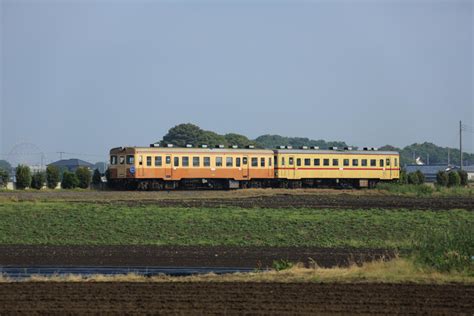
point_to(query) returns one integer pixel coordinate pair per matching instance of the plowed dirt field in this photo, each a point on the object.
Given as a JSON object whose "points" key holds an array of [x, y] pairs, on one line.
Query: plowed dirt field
{"points": [[278, 198], [221, 256], [235, 298]]}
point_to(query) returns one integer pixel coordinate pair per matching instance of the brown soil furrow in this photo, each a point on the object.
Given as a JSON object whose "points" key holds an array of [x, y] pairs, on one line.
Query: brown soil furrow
{"points": [[235, 298], [182, 256]]}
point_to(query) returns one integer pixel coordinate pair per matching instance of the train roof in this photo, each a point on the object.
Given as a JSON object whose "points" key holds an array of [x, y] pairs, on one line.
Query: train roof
{"points": [[324, 151], [192, 149]]}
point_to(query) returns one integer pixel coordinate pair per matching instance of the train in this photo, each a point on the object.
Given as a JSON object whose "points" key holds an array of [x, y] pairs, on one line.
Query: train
{"points": [[167, 167]]}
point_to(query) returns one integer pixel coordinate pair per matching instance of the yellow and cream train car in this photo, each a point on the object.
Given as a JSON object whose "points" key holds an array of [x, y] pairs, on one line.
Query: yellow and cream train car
{"points": [[355, 168], [155, 168]]}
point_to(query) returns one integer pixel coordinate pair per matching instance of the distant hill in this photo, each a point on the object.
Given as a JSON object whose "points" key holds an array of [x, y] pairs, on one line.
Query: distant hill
{"points": [[183, 134]]}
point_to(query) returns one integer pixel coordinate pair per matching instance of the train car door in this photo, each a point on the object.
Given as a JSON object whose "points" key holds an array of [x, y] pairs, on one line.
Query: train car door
{"points": [[168, 168], [245, 167], [141, 171], [292, 165]]}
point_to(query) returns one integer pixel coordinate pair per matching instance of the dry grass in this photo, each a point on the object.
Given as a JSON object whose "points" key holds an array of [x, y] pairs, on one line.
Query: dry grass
{"points": [[395, 271]]}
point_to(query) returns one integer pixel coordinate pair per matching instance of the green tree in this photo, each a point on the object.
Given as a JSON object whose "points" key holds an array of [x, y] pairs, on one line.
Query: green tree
{"points": [[37, 180], [4, 176], [463, 177], [23, 176], [96, 177], [413, 178], [183, 134], [454, 179], [52, 176], [421, 177], [69, 180], [403, 179], [84, 176], [442, 178], [5, 165], [239, 140]]}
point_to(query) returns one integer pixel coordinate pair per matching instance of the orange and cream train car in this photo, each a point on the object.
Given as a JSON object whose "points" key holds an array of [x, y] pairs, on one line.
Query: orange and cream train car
{"points": [[155, 168]]}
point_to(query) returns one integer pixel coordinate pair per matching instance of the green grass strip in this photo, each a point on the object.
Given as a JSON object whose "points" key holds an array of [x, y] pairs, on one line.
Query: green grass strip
{"points": [[114, 224]]}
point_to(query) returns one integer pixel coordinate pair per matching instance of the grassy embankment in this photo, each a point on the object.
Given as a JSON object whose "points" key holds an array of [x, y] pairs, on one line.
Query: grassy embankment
{"points": [[394, 271], [61, 223], [425, 190]]}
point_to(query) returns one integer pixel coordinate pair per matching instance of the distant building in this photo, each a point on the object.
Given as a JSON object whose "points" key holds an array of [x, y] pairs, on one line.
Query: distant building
{"points": [[71, 164], [430, 171]]}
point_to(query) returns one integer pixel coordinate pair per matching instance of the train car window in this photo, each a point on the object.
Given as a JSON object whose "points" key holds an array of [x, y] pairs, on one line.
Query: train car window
{"points": [[282, 161], [316, 161], [262, 162], [388, 162], [290, 161], [381, 162], [396, 162], [346, 162], [158, 161], [140, 160], [185, 161], [298, 162], [355, 162], [176, 161], [130, 159], [237, 162], [113, 160], [254, 162], [168, 160], [148, 161], [207, 161], [244, 160], [275, 160], [307, 162], [121, 160], [196, 162], [364, 162], [218, 161], [326, 162], [269, 162], [229, 162], [373, 162], [335, 162]]}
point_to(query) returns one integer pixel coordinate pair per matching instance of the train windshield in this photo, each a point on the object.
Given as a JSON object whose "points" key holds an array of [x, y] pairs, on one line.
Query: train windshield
{"points": [[130, 159]]}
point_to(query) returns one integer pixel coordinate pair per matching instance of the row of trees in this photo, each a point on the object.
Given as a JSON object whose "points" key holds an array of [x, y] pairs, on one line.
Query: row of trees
{"points": [[81, 178], [451, 178]]}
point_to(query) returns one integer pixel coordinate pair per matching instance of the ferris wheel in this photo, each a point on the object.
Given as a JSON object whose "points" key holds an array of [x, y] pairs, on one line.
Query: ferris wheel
{"points": [[26, 154]]}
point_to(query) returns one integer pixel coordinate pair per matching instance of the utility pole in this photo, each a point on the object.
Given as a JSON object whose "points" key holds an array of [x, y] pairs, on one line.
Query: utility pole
{"points": [[460, 144], [448, 156], [61, 154]]}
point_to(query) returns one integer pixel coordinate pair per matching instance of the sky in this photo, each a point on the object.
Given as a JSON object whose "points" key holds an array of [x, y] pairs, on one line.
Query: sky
{"points": [[85, 76]]}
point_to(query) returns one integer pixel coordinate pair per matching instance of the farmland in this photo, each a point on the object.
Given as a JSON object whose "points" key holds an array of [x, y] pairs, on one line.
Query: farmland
{"points": [[60, 223], [250, 228]]}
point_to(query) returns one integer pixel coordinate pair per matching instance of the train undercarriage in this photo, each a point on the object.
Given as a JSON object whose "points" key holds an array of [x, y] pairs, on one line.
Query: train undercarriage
{"points": [[229, 184]]}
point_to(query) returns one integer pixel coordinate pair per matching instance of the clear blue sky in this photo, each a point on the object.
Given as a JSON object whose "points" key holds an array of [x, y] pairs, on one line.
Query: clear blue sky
{"points": [[84, 76]]}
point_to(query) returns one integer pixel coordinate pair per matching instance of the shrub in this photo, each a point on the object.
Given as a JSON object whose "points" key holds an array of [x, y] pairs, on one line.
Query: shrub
{"points": [[37, 180], [96, 177], [52, 177], [463, 177], [70, 180], [84, 176], [23, 176], [413, 178], [282, 264], [442, 178], [446, 249], [421, 177], [453, 179], [403, 177], [3, 177]]}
